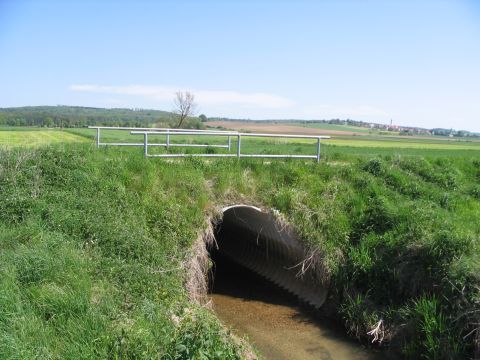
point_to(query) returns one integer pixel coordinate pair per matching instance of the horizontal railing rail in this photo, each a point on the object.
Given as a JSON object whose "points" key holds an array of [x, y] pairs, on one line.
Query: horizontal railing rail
{"points": [[238, 135], [168, 132]]}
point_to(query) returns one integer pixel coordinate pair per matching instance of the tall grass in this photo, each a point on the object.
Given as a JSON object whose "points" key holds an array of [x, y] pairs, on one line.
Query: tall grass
{"points": [[91, 261], [93, 245]]}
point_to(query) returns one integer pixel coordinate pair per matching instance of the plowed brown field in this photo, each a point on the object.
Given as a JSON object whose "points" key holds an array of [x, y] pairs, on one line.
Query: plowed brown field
{"points": [[276, 128]]}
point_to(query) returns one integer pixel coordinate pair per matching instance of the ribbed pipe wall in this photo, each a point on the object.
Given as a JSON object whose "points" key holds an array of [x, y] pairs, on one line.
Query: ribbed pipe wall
{"points": [[254, 240]]}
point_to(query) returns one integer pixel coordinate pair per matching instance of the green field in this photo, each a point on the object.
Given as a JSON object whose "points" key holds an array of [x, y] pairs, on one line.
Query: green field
{"points": [[365, 145], [29, 137], [370, 141], [405, 143]]}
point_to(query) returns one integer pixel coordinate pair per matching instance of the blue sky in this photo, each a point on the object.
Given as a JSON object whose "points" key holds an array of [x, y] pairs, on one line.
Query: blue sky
{"points": [[416, 62]]}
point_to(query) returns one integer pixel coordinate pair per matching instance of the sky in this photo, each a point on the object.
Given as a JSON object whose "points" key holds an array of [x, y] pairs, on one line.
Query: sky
{"points": [[411, 62]]}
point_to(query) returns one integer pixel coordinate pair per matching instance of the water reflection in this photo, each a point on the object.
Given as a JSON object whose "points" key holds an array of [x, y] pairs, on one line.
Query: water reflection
{"points": [[275, 321]]}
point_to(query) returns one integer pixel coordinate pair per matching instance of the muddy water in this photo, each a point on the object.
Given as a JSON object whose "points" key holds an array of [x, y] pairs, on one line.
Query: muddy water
{"points": [[275, 322]]}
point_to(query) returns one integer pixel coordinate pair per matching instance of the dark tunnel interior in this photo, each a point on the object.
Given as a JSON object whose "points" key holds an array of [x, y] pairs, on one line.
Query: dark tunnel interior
{"points": [[254, 257]]}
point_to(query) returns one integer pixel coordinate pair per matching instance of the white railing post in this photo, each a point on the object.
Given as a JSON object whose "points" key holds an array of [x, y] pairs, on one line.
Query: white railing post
{"points": [[229, 143], [98, 138], [318, 150], [145, 144], [239, 144], [168, 139]]}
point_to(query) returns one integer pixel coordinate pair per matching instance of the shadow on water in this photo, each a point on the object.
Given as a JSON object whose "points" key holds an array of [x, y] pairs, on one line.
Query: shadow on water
{"points": [[275, 321]]}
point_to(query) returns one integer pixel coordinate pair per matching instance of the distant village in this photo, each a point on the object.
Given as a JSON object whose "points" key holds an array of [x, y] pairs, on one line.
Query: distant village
{"points": [[402, 130], [411, 130]]}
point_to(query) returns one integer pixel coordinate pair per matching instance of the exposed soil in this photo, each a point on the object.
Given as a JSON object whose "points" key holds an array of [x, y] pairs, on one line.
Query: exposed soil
{"points": [[277, 128]]}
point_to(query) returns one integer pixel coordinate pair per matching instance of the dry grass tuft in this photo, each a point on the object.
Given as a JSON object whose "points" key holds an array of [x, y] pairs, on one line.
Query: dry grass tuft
{"points": [[198, 261]]}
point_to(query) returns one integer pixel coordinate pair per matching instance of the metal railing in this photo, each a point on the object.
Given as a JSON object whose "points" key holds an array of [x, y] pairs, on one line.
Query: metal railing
{"points": [[168, 132], [239, 137]]}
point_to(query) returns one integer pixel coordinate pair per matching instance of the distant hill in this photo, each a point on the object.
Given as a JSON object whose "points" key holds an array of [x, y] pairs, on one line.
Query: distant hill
{"points": [[77, 116]]}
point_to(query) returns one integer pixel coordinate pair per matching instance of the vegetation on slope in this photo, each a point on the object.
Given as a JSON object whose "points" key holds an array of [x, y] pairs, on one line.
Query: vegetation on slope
{"points": [[398, 239], [92, 251], [93, 246]]}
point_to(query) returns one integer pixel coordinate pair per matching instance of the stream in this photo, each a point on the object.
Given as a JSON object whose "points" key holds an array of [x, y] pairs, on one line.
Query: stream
{"points": [[275, 322]]}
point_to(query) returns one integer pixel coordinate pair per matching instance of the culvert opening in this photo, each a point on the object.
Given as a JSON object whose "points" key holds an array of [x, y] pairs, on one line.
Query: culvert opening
{"points": [[253, 245], [255, 288]]}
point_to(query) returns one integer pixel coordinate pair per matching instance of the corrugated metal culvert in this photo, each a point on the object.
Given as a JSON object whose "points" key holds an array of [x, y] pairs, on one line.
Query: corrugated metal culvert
{"points": [[255, 240]]}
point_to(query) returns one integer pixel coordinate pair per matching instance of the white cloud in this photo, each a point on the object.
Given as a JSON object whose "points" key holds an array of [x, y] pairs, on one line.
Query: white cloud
{"points": [[203, 97]]}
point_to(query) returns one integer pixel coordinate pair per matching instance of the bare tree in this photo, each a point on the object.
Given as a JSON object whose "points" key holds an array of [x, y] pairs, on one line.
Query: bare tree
{"points": [[184, 106]]}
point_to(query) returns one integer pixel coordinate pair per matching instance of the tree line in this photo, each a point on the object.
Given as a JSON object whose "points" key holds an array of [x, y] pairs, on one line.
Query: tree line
{"points": [[78, 116]]}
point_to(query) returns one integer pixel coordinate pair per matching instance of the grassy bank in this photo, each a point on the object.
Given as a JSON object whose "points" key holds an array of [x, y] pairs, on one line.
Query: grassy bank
{"points": [[93, 249], [94, 245]]}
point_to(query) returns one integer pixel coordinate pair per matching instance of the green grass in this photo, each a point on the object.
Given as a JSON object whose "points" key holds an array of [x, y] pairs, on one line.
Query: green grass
{"points": [[370, 141], [400, 143], [24, 137], [92, 258], [338, 144], [21, 128], [354, 145], [112, 136], [93, 246]]}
